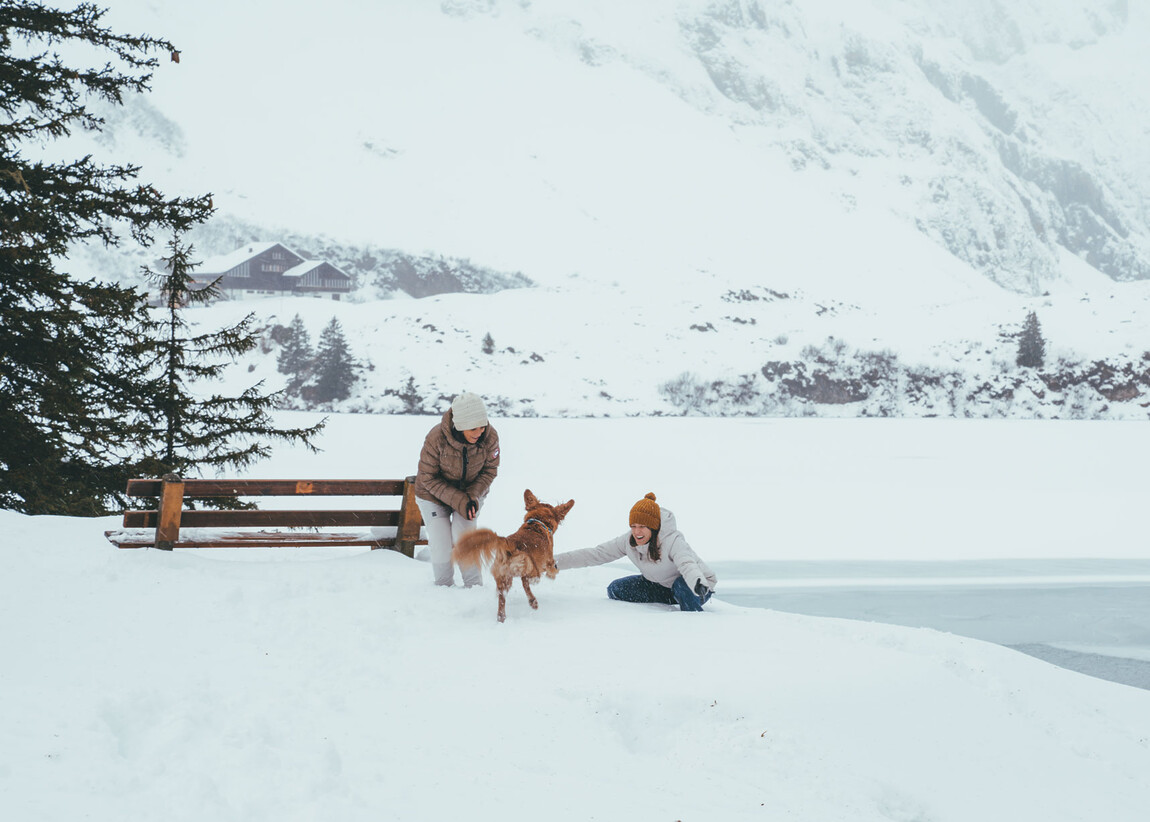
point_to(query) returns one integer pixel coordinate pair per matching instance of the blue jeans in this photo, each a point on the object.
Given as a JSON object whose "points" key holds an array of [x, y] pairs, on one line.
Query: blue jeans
{"points": [[640, 589]]}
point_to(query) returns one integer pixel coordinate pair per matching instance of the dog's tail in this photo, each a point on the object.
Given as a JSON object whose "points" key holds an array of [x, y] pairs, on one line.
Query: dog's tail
{"points": [[477, 547]]}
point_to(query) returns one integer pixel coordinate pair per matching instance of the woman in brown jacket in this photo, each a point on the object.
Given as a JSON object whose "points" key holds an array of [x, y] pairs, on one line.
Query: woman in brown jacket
{"points": [[457, 465]]}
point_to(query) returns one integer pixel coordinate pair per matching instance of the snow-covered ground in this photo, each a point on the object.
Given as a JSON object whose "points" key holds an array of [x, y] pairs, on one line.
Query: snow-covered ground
{"points": [[343, 685]]}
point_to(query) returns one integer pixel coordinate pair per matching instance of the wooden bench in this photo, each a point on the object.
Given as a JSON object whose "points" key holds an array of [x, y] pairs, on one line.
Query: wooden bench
{"points": [[173, 526]]}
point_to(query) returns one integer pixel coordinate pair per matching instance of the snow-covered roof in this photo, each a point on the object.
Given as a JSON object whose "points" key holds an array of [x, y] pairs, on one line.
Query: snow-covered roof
{"points": [[308, 266], [303, 268], [226, 262]]}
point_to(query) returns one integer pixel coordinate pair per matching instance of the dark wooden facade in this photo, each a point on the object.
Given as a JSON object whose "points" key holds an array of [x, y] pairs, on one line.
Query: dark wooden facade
{"points": [[272, 269], [318, 277]]}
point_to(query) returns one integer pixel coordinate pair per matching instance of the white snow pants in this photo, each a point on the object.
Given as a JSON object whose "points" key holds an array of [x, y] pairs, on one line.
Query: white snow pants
{"points": [[444, 526]]}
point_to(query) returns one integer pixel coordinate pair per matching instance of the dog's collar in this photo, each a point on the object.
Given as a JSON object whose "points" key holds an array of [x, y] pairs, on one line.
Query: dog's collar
{"points": [[540, 522]]}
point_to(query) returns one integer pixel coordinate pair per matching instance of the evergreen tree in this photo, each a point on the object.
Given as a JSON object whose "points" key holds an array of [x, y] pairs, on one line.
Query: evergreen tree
{"points": [[489, 344], [193, 432], [70, 353], [334, 366], [412, 399], [296, 356], [1031, 346]]}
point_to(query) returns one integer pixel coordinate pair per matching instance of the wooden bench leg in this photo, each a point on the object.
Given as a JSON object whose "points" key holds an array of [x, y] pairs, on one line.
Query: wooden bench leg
{"points": [[410, 520], [171, 505]]}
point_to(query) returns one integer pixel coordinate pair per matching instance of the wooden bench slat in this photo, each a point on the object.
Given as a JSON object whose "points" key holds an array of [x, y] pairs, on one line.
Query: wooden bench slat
{"points": [[258, 539], [267, 517], [272, 488]]}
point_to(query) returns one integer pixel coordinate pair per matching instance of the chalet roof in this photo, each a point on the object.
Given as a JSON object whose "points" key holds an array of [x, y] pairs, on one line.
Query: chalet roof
{"points": [[226, 262], [311, 265], [303, 268]]}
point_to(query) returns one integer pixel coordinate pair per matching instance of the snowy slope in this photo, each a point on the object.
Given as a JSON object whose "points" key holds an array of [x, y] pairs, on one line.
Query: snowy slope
{"points": [[591, 349], [344, 685], [559, 136]]}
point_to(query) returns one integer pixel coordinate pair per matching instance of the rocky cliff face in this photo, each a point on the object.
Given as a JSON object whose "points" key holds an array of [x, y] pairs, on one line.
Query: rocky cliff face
{"points": [[955, 116]]}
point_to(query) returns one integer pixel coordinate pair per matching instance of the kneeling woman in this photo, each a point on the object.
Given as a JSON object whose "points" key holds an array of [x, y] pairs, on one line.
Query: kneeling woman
{"points": [[670, 571]]}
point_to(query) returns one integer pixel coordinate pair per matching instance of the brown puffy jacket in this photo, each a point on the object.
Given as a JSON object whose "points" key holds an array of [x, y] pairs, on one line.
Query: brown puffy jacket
{"points": [[452, 471]]}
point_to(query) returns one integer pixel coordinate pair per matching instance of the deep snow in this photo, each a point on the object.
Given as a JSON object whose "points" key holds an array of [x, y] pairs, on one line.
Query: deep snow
{"points": [[343, 685]]}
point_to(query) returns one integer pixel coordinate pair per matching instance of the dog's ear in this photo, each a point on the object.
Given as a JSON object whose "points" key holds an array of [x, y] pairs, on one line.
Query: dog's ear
{"points": [[561, 510], [529, 500]]}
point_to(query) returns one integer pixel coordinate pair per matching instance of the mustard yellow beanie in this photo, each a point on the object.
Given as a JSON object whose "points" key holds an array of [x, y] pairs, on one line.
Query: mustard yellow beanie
{"points": [[646, 512]]}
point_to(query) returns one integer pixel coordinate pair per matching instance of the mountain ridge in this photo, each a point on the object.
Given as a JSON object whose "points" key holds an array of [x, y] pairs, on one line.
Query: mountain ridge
{"points": [[897, 95]]}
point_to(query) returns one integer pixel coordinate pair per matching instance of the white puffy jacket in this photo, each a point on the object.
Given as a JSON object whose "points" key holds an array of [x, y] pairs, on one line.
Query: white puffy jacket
{"points": [[675, 556]]}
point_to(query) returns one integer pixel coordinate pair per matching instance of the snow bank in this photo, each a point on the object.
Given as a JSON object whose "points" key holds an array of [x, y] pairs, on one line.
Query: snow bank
{"points": [[140, 684]]}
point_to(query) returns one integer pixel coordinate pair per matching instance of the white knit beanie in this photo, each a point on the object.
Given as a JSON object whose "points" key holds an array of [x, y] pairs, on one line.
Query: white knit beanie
{"points": [[468, 411]]}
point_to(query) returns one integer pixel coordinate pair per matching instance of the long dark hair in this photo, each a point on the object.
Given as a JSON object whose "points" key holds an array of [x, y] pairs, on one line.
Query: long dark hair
{"points": [[652, 545]]}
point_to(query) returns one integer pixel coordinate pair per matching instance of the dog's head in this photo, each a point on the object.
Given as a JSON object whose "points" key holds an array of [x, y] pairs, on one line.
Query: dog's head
{"points": [[552, 515]]}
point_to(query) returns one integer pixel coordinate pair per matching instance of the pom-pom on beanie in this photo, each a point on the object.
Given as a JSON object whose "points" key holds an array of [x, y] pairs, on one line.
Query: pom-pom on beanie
{"points": [[646, 512], [468, 411]]}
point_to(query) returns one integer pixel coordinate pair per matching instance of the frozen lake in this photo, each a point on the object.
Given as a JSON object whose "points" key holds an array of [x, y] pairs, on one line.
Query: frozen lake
{"points": [[1088, 615]]}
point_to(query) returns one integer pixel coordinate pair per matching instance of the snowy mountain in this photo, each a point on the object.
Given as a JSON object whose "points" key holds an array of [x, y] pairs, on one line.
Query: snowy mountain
{"points": [[1002, 133], [915, 176]]}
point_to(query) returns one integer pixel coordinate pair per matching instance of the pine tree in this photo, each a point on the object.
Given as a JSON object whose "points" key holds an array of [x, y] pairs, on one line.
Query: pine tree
{"points": [[70, 354], [334, 366], [1031, 346], [296, 356], [192, 432], [412, 399]]}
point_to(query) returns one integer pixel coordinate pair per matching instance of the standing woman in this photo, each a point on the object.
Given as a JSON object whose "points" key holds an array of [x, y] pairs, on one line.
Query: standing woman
{"points": [[457, 465], [670, 572]]}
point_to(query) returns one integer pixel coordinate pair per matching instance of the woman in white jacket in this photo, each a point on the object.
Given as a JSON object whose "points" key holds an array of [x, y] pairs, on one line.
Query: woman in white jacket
{"points": [[671, 573]]}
